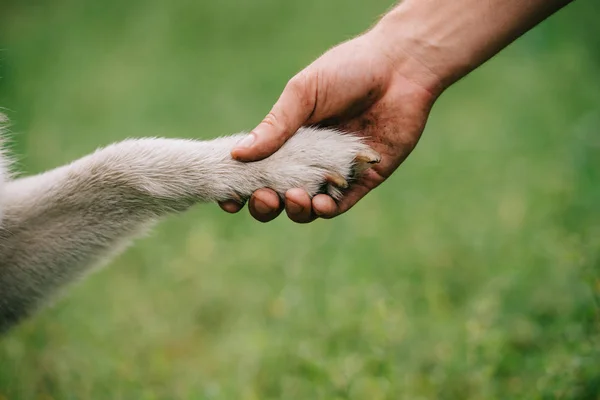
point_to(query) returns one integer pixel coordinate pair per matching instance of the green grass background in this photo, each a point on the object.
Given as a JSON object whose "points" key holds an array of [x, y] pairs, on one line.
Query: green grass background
{"points": [[473, 273]]}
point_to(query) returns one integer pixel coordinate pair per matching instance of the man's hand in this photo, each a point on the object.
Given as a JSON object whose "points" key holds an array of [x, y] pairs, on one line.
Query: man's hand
{"points": [[383, 85], [355, 87]]}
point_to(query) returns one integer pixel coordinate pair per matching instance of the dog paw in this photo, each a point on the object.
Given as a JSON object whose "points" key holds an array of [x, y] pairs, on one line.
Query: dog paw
{"points": [[319, 161]]}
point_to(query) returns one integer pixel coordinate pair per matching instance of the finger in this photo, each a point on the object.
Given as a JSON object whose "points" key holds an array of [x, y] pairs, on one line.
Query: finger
{"points": [[264, 205], [231, 206], [292, 110], [324, 206], [298, 206], [351, 199], [353, 196]]}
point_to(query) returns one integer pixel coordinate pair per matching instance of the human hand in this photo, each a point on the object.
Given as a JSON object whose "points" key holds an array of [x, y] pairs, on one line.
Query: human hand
{"points": [[355, 87], [382, 85]]}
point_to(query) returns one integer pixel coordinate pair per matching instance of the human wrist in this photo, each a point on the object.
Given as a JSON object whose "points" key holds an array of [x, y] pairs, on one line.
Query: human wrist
{"points": [[414, 36], [448, 39]]}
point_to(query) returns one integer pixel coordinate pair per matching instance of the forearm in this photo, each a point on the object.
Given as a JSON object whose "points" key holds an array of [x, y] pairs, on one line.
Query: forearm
{"points": [[450, 38]]}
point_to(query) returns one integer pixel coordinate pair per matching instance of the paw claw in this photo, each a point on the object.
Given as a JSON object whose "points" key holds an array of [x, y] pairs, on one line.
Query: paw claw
{"points": [[368, 156], [336, 179], [365, 160]]}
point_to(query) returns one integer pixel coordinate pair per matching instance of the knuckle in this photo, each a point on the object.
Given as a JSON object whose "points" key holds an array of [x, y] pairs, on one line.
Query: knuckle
{"points": [[297, 84], [302, 86], [272, 120]]}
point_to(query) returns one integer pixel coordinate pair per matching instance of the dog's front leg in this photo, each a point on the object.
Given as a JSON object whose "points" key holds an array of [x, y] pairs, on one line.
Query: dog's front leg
{"points": [[57, 224]]}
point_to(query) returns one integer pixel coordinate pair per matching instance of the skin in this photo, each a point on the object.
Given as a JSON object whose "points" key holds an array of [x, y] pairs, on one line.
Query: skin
{"points": [[383, 85]]}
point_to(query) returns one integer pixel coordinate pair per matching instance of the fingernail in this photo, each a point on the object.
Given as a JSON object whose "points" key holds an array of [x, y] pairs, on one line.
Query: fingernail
{"points": [[261, 207], [294, 208], [247, 141]]}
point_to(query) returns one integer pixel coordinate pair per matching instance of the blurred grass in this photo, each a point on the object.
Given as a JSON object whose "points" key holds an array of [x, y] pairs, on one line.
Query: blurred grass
{"points": [[473, 274]]}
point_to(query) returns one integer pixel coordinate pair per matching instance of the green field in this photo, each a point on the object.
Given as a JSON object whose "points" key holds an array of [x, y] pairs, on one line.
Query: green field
{"points": [[473, 273]]}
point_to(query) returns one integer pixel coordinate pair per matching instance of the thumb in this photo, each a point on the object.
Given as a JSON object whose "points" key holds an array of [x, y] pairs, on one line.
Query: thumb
{"points": [[294, 107]]}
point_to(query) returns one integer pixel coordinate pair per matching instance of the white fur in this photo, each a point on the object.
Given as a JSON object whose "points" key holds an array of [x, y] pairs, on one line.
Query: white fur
{"points": [[57, 224]]}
